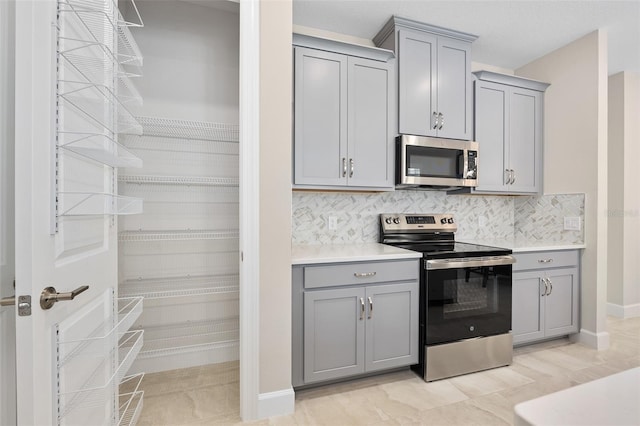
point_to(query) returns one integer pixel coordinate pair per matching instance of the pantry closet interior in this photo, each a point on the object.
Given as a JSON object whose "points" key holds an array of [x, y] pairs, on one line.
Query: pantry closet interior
{"points": [[181, 253]]}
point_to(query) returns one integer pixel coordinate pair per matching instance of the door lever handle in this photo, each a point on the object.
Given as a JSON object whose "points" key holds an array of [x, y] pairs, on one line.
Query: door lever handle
{"points": [[50, 296]]}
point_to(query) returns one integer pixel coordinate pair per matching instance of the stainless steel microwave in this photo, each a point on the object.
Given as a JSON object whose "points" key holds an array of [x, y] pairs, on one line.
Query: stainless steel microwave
{"points": [[435, 163]]}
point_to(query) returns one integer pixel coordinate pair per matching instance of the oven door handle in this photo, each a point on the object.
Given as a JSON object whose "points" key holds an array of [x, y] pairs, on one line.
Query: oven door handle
{"points": [[470, 262]]}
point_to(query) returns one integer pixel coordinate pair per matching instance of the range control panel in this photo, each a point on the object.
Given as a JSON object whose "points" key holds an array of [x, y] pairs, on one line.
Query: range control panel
{"points": [[418, 222]]}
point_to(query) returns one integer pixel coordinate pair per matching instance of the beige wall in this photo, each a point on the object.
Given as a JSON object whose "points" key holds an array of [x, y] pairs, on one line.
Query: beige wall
{"points": [[479, 66], [275, 195], [623, 292], [575, 156]]}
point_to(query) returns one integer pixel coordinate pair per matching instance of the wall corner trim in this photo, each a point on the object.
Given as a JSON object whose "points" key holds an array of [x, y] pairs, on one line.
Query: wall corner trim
{"points": [[599, 341], [276, 403], [623, 311]]}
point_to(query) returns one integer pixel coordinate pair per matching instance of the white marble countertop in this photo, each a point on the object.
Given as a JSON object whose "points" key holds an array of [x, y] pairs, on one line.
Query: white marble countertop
{"points": [[525, 247], [612, 400], [332, 253]]}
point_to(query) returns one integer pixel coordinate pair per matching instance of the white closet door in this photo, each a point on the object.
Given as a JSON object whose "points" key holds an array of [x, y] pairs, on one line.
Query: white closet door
{"points": [[81, 252]]}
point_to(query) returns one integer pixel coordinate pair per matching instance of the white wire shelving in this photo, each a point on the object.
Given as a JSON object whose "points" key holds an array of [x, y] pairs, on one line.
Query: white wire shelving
{"points": [[184, 249], [180, 180], [191, 130], [191, 337], [96, 57], [146, 236], [92, 204], [90, 366], [181, 286], [130, 400]]}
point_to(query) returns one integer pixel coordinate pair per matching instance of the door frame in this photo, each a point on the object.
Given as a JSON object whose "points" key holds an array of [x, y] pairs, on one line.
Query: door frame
{"points": [[249, 208]]}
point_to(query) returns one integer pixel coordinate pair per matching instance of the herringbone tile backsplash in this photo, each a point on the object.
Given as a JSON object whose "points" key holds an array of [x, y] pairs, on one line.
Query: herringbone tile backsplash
{"points": [[503, 218]]}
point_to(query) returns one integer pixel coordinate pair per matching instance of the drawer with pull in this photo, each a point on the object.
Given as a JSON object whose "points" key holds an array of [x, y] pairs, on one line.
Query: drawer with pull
{"points": [[360, 273], [545, 259]]}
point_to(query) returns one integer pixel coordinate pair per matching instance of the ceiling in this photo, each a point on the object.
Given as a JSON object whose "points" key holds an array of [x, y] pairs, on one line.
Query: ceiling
{"points": [[511, 33]]}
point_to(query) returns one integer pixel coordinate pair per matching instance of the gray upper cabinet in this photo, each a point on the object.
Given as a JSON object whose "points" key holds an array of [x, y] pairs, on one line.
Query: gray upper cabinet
{"points": [[342, 116], [434, 78], [508, 129], [545, 295]]}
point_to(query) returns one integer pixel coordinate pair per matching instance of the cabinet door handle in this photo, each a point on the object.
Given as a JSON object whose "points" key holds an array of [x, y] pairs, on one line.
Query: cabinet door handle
{"points": [[507, 177], [370, 308], [361, 309], [344, 167], [435, 120], [545, 260], [351, 167], [513, 176], [364, 274], [550, 286], [546, 288], [441, 117]]}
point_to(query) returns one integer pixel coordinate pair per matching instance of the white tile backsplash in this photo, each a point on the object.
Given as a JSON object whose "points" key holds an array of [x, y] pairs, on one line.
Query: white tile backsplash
{"points": [[537, 219]]}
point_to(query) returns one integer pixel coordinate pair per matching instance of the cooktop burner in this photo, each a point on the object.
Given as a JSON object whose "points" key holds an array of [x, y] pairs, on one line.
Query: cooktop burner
{"points": [[456, 249]]}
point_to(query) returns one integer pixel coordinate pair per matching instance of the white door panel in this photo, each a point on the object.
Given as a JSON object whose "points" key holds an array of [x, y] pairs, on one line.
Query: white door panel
{"points": [[81, 252]]}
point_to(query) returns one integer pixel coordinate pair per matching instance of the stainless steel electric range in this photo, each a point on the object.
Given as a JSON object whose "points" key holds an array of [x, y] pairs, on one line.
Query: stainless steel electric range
{"points": [[465, 296]]}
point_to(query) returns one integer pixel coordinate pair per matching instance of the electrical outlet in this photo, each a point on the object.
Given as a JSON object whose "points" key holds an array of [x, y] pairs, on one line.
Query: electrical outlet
{"points": [[333, 223], [572, 223]]}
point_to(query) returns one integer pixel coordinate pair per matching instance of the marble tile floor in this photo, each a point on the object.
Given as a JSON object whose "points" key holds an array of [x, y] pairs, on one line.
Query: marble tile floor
{"points": [[210, 395]]}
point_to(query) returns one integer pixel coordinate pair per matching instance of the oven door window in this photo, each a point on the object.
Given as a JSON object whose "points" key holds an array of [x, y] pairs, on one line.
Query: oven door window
{"points": [[464, 303], [434, 162]]}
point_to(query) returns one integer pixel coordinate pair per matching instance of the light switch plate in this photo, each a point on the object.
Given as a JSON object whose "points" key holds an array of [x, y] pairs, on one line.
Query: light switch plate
{"points": [[572, 223]]}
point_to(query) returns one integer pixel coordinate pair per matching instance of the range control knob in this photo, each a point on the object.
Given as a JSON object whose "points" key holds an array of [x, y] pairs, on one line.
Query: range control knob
{"points": [[450, 220], [388, 221], [396, 220], [443, 220]]}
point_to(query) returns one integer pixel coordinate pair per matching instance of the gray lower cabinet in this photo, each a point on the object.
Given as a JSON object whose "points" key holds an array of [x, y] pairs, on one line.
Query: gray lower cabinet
{"points": [[508, 129], [545, 295], [342, 329], [434, 78], [342, 118]]}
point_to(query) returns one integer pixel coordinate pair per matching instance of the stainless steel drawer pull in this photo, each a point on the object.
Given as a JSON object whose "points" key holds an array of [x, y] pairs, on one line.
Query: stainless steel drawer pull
{"points": [[364, 274], [361, 309], [370, 308], [545, 260]]}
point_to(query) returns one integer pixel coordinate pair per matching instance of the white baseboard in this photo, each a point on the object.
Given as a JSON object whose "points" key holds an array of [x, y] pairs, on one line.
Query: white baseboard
{"points": [[599, 341], [276, 403], [623, 311]]}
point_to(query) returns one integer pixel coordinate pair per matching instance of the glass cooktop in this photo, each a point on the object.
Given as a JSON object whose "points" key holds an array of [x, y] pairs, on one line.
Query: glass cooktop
{"points": [[453, 249]]}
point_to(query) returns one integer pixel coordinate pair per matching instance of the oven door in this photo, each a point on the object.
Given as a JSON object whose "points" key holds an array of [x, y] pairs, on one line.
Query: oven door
{"points": [[467, 298]]}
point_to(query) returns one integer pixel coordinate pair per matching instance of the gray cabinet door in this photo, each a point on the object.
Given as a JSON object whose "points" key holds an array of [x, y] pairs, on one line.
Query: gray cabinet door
{"points": [[561, 303], [334, 332], [320, 130], [392, 326], [370, 146], [417, 82], [527, 321], [454, 88], [491, 133], [525, 140]]}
